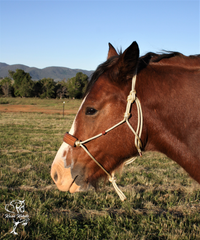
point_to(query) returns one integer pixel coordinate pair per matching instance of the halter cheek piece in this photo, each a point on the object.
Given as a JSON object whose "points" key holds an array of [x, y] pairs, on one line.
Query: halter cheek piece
{"points": [[74, 142]]}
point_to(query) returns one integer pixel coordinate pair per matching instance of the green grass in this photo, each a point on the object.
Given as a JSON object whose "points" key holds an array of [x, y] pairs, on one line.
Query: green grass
{"points": [[162, 201], [46, 103]]}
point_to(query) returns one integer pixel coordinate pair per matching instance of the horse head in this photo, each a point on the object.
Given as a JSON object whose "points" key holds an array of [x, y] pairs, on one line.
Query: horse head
{"points": [[99, 142], [103, 106]]}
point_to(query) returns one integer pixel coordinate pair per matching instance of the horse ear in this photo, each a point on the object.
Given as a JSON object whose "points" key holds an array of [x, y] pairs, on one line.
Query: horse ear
{"points": [[111, 52], [129, 59]]}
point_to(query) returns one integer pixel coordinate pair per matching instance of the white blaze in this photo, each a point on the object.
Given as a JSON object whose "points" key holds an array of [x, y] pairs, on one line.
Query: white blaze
{"points": [[72, 130], [65, 147]]}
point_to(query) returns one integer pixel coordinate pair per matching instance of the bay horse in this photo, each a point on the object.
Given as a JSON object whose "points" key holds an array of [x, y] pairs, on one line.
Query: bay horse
{"points": [[161, 113]]}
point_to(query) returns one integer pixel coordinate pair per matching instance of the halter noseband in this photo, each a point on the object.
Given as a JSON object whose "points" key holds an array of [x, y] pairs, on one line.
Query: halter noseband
{"points": [[74, 142]]}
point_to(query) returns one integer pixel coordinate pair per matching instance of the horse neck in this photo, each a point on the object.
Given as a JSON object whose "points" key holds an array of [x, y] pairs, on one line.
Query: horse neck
{"points": [[170, 113]]}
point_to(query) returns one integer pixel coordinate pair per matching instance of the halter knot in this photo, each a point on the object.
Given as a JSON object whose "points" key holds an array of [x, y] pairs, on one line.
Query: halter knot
{"points": [[112, 178], [132, 96], [78, 143], [127, 115]]}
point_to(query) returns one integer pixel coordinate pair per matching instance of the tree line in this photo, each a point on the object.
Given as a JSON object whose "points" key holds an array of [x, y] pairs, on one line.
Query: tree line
{"points": [[19, 84]]}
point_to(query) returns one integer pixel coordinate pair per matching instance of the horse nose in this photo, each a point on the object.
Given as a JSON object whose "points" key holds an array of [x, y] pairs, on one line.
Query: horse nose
{"points": [[62, 177], [55, 177], [56, 173]]}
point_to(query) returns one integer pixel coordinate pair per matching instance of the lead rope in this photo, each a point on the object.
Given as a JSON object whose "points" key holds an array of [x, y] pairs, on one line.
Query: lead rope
{"points": [[130, 99]]}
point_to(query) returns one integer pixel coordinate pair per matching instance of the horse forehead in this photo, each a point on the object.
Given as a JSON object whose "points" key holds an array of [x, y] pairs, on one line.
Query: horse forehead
{"points": [[102, 87]]}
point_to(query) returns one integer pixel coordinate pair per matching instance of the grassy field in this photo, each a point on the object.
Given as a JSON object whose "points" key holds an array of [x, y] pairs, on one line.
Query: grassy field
{"points": [[162, 201], [47, 104]]}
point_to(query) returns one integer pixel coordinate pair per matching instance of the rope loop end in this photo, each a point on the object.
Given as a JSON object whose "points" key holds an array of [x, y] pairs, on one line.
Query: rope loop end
{"points": [[119, 192]]}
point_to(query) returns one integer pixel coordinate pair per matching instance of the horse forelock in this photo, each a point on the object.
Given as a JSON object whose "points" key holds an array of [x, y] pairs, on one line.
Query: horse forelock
{"points": [[101, 69]]}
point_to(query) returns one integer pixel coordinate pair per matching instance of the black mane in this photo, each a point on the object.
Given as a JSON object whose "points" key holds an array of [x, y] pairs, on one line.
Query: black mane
{"points": [[150, 57]]}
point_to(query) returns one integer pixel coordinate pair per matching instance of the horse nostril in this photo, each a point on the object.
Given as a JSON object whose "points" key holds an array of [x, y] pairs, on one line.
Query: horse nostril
{"points": [[55, 177]]}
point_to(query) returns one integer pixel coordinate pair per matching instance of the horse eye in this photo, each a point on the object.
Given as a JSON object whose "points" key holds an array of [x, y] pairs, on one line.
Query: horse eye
{"points": [[90, 111]]}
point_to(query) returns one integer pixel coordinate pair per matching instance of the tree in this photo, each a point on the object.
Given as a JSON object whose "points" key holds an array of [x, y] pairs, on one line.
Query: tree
{"points": [[6, 86], [37, 88], [76, 85], [61, 89], [47, 88], [11, 73], [23, 85]]}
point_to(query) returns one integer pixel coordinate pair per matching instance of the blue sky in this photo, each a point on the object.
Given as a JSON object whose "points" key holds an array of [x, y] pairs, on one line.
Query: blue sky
{"points": [[75, 34]]}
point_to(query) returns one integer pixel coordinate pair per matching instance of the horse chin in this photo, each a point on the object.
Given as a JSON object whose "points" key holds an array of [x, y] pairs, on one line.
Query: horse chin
{"points": [[74, 188]]}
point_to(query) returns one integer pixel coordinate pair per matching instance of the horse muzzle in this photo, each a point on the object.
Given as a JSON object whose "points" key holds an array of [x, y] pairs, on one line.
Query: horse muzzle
{"points": [[62, 174], [63, 177]]}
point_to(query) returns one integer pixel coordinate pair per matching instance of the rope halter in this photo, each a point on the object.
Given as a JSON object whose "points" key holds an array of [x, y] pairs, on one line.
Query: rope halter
{"points": [[74, 142]]}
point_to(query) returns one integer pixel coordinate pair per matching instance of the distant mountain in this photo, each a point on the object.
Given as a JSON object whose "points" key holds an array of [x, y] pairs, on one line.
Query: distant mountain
{"points": [[3, 65], [57, 73]]}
